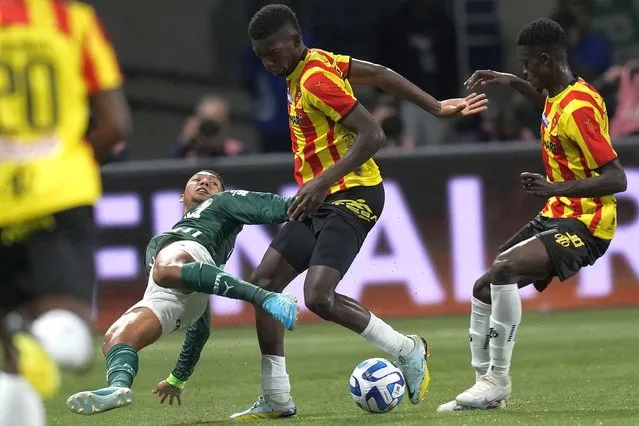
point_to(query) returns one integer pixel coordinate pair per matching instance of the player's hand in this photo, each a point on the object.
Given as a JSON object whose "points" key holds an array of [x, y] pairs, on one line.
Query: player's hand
{"points": [[488, 77], [309, 199], [536, 184], [464, 107], [164, 390]]}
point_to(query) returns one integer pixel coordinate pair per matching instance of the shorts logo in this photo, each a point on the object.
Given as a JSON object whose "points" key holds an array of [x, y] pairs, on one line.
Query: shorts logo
{"points": [[567, 239], [359, 207]]}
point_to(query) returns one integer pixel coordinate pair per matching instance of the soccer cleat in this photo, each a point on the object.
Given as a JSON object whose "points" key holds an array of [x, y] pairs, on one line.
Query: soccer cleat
{"points": [[283, 307], [98, 401], [487, 392], [451, 406], [264, 408], [33, 362], [414, 367]]}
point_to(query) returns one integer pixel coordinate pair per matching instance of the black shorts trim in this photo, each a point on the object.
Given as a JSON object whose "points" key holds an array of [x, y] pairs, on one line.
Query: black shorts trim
{"points": [[334, 236], [54, 260]]}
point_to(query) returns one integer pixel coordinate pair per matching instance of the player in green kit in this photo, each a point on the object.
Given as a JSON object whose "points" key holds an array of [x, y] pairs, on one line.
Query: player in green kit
{"points": [[185, 266]]}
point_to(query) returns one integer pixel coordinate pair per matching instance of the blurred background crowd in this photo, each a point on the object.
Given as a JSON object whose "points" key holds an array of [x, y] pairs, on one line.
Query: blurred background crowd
{"points": [[197, 90]]}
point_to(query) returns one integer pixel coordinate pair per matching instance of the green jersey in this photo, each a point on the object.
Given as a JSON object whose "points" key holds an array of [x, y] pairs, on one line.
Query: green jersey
{"points": [[215, 222]]}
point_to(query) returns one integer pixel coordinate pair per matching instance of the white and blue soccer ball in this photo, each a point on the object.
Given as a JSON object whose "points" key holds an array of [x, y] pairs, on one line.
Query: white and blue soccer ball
{"points": [[377, 385]]}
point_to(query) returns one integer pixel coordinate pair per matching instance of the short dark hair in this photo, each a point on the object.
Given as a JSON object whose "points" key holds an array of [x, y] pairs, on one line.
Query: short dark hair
{"points": [[270, 19], [217, 175], [543, 32]]}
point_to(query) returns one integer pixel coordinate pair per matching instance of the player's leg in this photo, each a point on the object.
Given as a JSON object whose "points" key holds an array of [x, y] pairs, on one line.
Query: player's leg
{"points": [[176, 267], [138, 328], [337, 245], [524, 262], [286, 258]]}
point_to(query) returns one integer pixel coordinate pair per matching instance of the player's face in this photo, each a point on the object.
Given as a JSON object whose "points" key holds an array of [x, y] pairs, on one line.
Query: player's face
{"points": [[535, 66], [201, 187], [279, 52]]}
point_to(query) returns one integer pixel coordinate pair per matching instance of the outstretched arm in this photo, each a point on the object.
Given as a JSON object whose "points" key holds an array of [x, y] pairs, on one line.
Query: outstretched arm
{"points": [[255, 208], [194, 341], [488, 77], [370, 74]]}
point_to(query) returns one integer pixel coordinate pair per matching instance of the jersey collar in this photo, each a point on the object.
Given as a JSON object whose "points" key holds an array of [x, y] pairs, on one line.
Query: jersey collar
{"points": [[295, 75]]}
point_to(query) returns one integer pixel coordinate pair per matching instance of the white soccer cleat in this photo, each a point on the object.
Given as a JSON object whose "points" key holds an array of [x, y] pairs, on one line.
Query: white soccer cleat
{"points": [[98, 401], [488, 392], [451, 406]]}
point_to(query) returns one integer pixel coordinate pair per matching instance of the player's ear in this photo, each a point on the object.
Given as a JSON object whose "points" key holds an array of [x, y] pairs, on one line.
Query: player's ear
{"points": [[297, 40], [544, 58]]}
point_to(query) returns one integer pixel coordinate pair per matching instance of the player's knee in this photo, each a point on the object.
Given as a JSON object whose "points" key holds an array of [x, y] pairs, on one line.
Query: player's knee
{"points": [[320, 304], [166, 274], [66, 337], [481, 289], [503, 270]]}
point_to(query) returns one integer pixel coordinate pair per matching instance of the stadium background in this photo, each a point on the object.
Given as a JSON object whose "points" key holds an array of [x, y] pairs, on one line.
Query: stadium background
{"points": [[448, 207]]}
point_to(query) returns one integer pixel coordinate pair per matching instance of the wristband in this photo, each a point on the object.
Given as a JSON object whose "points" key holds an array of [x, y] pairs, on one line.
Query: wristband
{"points": [[174, 381]]}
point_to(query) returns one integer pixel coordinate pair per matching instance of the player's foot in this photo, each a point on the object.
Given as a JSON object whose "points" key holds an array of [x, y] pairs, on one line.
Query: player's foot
{"points": [[265, 408], [33, 362], [98, 401], [450, 406], [283, 307], [488, 392], [415, 370]]}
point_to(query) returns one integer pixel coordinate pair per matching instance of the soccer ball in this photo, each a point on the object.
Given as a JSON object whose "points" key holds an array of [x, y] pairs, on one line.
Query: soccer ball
{"points": [[377, 385]]}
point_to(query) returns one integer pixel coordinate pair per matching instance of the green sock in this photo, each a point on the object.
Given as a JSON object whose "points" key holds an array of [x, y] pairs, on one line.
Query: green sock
{"points": [[207, 278], [122, 365]]}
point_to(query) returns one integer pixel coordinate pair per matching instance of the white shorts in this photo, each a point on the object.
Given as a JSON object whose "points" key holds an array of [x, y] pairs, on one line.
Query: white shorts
{"points": [[175, 308]]}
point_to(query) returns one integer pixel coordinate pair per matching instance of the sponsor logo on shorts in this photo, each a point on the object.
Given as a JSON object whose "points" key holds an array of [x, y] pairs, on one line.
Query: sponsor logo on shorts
{"points": [[567, 240], [359, 208]]}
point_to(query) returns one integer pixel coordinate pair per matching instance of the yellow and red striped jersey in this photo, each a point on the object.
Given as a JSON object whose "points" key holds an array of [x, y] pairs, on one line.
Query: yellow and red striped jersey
{"points": [[54, 54], [319, 97], [575, 143]]}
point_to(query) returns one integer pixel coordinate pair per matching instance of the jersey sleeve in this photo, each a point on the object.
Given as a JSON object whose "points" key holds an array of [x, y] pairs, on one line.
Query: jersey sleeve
{"points": [[196, 337], [591, 135], [254, 208], [326, 92], [343, 62], [101, 70]]}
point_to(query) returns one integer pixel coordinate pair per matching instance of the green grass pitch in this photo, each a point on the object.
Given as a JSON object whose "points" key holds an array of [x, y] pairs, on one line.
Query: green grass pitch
{"points": [[575, 368]]}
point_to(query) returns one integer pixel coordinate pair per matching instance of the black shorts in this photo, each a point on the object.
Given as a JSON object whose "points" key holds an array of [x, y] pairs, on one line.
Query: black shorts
{"points": [[334, 236], [51, 255], [569, 244]]}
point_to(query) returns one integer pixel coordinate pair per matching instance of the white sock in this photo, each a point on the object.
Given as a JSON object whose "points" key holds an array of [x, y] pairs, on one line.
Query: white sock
{"points": [[387, 338], [275, 382], [19, 402], [504, 322], [66, 337], [479, 337]]}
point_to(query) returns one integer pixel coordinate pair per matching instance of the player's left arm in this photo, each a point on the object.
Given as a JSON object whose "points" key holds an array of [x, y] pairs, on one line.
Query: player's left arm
{"points": [[255, 208], [370, 74], [196, 337], [588, 130]]}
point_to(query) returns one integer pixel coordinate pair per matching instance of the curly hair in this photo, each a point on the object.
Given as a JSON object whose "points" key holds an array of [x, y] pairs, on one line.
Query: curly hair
{"points": [[543, 32], [270, 19]]}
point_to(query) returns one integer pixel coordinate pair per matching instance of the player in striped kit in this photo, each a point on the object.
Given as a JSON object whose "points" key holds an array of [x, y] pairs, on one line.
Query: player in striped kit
{"points": [[575, 226], [333, 140]]}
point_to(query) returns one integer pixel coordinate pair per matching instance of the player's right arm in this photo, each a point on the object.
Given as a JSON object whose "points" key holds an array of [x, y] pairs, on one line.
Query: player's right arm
{"points": [[488, 77], [103, 80], [254, 208], [196, 337]]}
